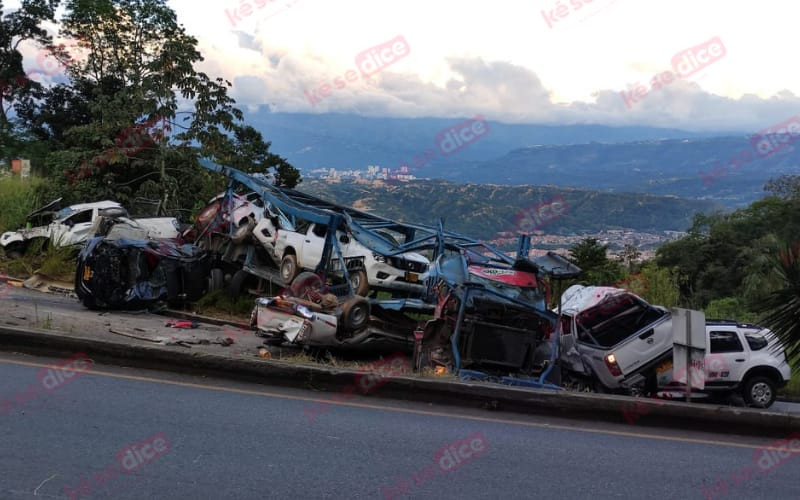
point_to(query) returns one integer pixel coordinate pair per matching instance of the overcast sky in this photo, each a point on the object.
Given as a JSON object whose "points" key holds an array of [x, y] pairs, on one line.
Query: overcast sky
{"points": [[538, 61]]}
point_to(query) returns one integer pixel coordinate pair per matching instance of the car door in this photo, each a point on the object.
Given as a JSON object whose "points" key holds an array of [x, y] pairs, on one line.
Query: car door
{"points": [[313, 244], [730, 353]]}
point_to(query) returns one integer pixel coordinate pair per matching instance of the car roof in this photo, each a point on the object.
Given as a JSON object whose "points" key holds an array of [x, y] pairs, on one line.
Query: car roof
{"points": [[66, 212]]}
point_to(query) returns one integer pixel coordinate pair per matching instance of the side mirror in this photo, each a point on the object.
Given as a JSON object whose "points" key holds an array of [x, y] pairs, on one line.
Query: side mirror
{"points": [[344, 239]]}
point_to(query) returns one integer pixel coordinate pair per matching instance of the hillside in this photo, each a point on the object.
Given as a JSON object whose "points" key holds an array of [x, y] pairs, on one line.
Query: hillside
{"points": [[483, 211], [657, 167]]}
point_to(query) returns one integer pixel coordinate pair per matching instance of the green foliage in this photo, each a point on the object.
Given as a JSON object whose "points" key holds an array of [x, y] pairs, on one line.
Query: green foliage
{"points": [[592, 257], [660, 285], [17, 200], [729, 308], [781, 308], [727, 255], [118, 129]]}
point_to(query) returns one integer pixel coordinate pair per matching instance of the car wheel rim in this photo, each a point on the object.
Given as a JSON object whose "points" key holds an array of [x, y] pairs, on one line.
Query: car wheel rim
{"points": [[761, 393], [358, 316]]}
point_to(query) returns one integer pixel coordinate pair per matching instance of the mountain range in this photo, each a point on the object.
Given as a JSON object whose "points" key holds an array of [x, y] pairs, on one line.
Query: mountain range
{"points": [[597, 157]]}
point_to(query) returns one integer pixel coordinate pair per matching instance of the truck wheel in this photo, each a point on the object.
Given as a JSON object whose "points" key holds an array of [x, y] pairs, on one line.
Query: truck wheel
{"points": [[288, 268], [238, 282], [355, 313], [759, 392], [360, 282], [216, 280]]}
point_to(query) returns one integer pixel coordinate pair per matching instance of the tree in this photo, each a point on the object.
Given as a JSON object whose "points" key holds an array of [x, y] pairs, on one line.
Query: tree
{"points": [[781, 309], [629, 256], [17, 27], [119, 123], [592, 257]]}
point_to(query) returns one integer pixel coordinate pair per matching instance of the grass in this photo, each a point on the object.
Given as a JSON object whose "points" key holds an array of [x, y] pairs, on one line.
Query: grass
{"points": [[17, 200], [55, 262]]}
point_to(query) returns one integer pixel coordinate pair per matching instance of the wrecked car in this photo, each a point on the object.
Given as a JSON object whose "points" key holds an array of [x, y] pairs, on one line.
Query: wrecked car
{"points": [[284, 248], [489, 317], [134, 274], [613, 338], [75, 224], [305, 315]]}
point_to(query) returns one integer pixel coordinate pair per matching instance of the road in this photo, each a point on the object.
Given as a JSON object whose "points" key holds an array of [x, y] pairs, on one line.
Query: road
{"points": [[192, 437]]}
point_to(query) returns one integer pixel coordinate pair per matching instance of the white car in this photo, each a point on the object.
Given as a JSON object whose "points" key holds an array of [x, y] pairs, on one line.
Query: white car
{"points": [[301, 248], [742, 358], [75, 224]]}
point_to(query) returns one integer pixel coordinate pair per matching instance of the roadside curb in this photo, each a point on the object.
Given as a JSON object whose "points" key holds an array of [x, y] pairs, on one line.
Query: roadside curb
{"points": [[609, 408]]}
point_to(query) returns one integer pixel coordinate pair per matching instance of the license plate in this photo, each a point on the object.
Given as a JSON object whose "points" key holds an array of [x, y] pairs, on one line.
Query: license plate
{"points": [[663, 367], [87, 273], [412, 277]]}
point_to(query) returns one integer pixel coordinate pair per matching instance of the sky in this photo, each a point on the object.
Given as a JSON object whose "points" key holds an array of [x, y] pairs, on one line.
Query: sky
{"points": [[516, 61]]}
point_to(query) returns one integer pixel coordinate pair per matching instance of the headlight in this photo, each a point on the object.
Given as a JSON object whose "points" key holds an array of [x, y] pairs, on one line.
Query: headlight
{"points": [[304, 312], [379, 258]]}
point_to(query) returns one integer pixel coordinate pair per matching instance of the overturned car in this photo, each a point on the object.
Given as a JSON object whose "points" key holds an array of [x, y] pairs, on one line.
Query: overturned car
{"points": [[75, 224], [133, 274]]}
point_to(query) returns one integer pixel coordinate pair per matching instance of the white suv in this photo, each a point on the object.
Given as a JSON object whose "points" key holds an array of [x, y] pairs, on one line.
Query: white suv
{"points": [[75, 224], [741, 358]]}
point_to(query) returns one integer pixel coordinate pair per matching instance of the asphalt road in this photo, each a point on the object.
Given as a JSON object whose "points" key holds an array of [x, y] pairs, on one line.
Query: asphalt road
{"points": [[123, 433]]}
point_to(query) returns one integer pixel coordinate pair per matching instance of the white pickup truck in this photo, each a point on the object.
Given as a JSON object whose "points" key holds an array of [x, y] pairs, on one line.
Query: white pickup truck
{"points": [[301, 247]]}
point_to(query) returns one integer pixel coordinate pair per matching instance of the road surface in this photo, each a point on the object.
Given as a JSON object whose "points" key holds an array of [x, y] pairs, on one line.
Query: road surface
{"points": [[115, 432]]}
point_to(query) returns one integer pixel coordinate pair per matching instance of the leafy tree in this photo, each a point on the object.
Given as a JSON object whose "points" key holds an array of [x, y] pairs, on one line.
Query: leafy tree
{"points": [[592, 257], [660, 285], [781, 309], [629, 256], [117, 125], [16, 88]]}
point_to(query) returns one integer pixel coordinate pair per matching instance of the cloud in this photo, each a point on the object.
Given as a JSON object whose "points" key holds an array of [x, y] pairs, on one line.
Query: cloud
{"points": [[248, 41], [503, 91]]}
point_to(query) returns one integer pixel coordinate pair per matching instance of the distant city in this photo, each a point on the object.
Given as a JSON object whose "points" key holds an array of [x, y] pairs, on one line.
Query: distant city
{"points": [[372, 173]]}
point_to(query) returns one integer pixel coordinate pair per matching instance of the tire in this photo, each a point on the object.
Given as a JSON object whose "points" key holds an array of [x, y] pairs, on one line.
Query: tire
{"points": [[216, 280], [306, 285], [15, 251], [288, 268], [355, 314], [360, 282], [238, 283], [759, 392]]}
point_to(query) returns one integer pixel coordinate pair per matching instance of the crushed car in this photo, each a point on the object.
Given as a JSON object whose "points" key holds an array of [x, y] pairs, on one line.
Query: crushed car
{"points": [[75, 224], [612, 340], [490, 317], [135, 274], [307, 316]]}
